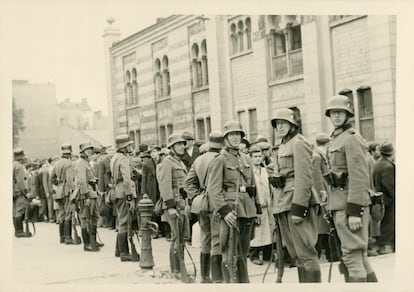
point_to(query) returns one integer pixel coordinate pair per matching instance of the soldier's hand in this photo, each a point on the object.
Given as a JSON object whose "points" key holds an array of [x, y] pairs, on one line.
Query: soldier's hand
{"points": [[354, 223], [131, 205], [173, 213], [231, 220], [296, 219]]}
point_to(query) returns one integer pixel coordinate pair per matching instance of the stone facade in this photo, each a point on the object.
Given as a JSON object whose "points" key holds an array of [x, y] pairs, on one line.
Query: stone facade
{"points": [[247, 66]]}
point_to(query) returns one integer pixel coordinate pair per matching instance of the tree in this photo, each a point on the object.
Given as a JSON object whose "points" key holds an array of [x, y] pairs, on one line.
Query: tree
{"points": [[18, 124]]}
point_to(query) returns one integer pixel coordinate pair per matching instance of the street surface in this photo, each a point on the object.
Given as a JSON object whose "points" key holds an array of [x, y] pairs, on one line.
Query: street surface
{"points": [[42, 260]]}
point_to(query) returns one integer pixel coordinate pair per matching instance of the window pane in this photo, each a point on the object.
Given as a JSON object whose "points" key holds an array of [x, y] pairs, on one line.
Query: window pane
{"points": [[296, 38], [208, 125], [365, 103], [280, 67], [253, 124], [296, 63], [201, 130], [163, 135], [279, 44], [169, 129], [367, 129], [242, 116]]}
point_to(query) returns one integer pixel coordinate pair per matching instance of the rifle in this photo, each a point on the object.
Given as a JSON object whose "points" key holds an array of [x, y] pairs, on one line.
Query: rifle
{"points": [[179, 246], [134, 253], [28, 217], [279, 256], [333, 242], [75, 222]]}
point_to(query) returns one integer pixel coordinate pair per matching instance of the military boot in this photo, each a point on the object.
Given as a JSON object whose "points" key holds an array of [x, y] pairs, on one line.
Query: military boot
{"points": [[371, 277], [216, 268], [117, 252], [86, 240], [301, 274], [15, 227], [205, 267], [67, 227], [356, 279], [19, 227], [92, 240], [61, 233], [124, 248], [312, 276], [98, 243]]}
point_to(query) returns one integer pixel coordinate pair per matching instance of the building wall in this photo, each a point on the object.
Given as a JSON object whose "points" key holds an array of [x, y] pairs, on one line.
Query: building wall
{"points": [[39, 139]]}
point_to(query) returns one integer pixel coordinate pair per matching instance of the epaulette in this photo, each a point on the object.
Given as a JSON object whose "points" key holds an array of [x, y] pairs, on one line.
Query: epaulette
{"points": [[351, 131], [217, 154]]}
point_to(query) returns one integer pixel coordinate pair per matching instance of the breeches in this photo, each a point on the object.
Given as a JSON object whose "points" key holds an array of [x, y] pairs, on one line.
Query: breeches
{"points": [[210, 233], [90, 211], [300, 239]]}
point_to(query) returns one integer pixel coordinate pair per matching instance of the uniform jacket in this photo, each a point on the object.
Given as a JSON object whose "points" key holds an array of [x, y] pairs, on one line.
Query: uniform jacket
{"points": [[187, 159], [294, 162], [224, 175], [63, 173], [384, 179], [40, 191], [196, 178], [149, 183], [171, 173], [104, 173], [31, 184], [347, 154], [19, 179], [319, 168], [121, 174], [83, 175]]}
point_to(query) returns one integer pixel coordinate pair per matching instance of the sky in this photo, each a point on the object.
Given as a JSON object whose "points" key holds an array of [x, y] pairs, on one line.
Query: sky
{"points": [[61, 42]]}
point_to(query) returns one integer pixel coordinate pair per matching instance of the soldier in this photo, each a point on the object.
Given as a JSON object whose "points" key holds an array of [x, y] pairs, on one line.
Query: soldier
{"points": [[171, 173], [191, 151], [104, 180], [349, 198], [195, 185], [20, 193], [125, 193], [295, 205], [63, 179], [233, 195], [86, 183]]}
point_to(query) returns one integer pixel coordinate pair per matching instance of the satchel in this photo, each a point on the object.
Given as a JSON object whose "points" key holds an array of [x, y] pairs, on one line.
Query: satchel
{"points": [[158, 207], [59, 192], [200, 203], [377, 208]]}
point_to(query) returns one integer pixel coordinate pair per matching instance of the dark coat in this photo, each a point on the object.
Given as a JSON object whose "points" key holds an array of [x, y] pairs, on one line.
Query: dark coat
{"points": [[149, 183], [104, 173], [384, 180], [187, 159]]}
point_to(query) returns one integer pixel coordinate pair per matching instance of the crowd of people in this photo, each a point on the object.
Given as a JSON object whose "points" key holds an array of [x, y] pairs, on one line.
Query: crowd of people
{"points": [[238, 190]]}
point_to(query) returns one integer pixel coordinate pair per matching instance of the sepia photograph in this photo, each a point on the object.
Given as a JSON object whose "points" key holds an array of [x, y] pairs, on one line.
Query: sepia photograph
{"points": [[148, 144]]}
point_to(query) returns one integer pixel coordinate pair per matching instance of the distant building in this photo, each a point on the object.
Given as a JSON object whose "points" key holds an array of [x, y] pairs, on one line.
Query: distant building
{"points": [[187, 72], [38, 101]]}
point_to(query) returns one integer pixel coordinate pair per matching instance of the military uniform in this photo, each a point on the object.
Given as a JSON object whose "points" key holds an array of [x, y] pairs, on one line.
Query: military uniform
{"points": [[63, 178], [86, 183], [171, 173], [20, 201], [349, 194], [230, 176], [195, 185]]}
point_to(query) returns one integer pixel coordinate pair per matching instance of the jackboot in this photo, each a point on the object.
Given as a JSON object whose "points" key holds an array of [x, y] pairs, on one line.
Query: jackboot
{"points": [[356, 279], [92, 240], [205, 267], [19, 227], [86, 240], [124, 248], [15, 227], [67, 227], [301, 274], [226, 273], [61, 233], [216, 268], [172, 261], [117, 251], [371, 277], [312, 276]]}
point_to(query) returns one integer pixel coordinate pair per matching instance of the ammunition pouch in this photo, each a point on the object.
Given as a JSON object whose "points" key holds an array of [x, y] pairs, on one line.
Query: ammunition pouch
{"points": [[251, 190], [278, 181], [336, 179], [183, 193], [377, 208], [92, 184]]}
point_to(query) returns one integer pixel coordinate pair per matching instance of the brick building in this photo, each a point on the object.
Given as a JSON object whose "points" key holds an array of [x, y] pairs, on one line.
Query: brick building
{"points": [[188, 72]]}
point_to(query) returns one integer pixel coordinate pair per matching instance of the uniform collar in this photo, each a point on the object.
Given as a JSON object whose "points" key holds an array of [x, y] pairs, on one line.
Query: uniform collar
{"points": [[232, 151], [341, 129], [290, 136]]}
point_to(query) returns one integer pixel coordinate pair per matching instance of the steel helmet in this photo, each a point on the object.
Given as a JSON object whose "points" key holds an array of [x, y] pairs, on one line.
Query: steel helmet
{"points": [[122, 141], [66, 148], [286, 115], [339, 102], [233, 126], [85, 145], [174, 139], [18, 152]]}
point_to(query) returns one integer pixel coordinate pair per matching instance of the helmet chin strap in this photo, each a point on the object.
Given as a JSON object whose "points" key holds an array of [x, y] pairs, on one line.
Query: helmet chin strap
{"points": [[229, 145]]}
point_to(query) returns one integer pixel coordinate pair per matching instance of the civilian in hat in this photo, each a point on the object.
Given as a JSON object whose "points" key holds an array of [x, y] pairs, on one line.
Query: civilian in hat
{"points": [[384, 181], [244, 146], [195, 186], [374, 150], [191, 151], [149, 183]]}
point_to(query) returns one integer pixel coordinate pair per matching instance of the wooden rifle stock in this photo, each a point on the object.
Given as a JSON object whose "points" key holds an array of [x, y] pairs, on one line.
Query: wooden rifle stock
{"points": [[179, 250], [75, 222], [279, 259], [134, 253]]}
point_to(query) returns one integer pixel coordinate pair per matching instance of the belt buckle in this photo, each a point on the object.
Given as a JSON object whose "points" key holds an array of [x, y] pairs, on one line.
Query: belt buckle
{"points": [[242, 188]]}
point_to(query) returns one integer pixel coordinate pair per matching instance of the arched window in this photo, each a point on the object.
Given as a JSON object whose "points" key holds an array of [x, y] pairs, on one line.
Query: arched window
{"points": [[134, 87], [249, 33], [165, 77], [196, 67], [128, 88], [240, 26], [366, 113], [158, 79], [204, 64], [233, 36]]}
